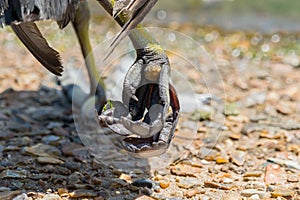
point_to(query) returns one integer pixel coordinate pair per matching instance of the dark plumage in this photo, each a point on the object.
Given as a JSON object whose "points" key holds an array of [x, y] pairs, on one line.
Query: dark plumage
{"points": [[21, 14], [62, 11]]}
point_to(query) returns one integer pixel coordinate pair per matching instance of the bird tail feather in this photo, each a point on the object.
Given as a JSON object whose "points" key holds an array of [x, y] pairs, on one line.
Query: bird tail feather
{"points": [[34, 41]]}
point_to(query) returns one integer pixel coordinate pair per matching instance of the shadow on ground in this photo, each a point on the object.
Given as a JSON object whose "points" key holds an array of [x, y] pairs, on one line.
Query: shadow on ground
{"points": [[40, 151]]}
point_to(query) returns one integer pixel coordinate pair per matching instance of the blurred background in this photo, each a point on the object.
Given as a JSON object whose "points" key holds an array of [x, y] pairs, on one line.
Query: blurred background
{"points": [[233, 30]]}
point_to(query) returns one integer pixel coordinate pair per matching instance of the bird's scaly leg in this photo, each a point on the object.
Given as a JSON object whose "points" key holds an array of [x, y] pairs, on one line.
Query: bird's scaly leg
{"points": [[81, 26]]}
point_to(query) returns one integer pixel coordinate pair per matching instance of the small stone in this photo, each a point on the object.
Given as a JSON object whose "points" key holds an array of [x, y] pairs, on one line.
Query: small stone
{"points": [[231, 109], [19, 127], [256, 98], [53, 125], [178, 194], [258, 117], [201, 115], [185, 170], [74, 178], [192, 192], [49, 160], [187, 182], [251, 192], [255, 185], [158, 178], [239, 118], [253, 174], [290, 124], [282, 192], [51, 197], [292, 178], [274, 174], [8, 195], [208, 154], [235, 136], [50, 139], [73, 149], [221, 160], [217, 185], [82, 193], [238, 157], [14, 174], [241, 83], [63, 191], [254, 197], [2, 189], [22, 197], [143, 183], [125, 177], [164, 184], [117, 183], [144, 198], [282, 108], [43, 150], [205, 197], [252, 127], [268, 135]]}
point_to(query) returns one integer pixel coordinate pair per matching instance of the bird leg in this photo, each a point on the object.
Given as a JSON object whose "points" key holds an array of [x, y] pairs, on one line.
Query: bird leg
{"points": [[81, 26], [151, 103]]}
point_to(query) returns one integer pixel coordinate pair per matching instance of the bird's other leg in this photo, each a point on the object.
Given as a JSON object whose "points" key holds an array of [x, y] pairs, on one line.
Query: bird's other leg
{"points": [[81, 26]]}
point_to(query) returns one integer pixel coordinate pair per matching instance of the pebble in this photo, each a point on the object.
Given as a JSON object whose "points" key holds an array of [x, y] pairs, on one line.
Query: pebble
{"points": [[192, 192], [254, 197], [74, 178], [143, 183], [238, 157], [282, 108], [217, 185], [164, 184], [235, 136], [282, 192], [50, 139], [49, 160], [274, 174], [82, 193], [53, 125], [14, 174], [290, 124], [19, 127], [201, 115], [185, 170], [253, 174], [188, 182], [125, 177], [221, 160], [8, 195], [63, 191], [255, 98], [292, 178], [258, 117], [51, 197], [2, 189], [22, 197], [42, 150], [144, 198], [118, 183], [73, 149], [251, 192], [231, 109], [208, 154]]}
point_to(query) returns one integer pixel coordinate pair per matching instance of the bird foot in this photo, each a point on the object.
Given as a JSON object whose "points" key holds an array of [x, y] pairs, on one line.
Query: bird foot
{"points": [[143, 139]]}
